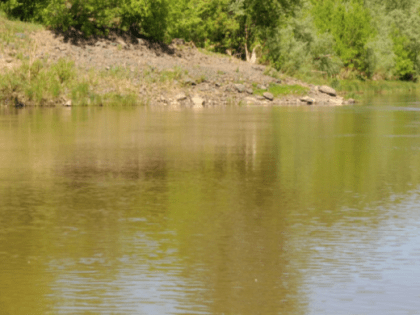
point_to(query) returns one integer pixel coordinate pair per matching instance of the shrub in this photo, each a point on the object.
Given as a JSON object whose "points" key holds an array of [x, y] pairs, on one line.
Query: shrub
{"points": [[349, 22], [25, 10], [97, 17]]}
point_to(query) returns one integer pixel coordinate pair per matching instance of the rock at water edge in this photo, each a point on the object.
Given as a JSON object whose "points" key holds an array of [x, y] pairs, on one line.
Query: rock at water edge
{"points": [[327, 90], [337, 101], [308, 100], [250, 100], [198, 102], [268, 96], [181, 96]]}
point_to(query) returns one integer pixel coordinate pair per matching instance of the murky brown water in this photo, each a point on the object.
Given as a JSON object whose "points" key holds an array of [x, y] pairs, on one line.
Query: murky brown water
{"points": [[225, 211]]}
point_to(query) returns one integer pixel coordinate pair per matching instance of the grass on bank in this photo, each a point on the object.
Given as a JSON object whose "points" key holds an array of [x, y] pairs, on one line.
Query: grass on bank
{"points": [[14, 34], [357, 88], [281, 90], [44, 82], [40, 82], [354, 88]]}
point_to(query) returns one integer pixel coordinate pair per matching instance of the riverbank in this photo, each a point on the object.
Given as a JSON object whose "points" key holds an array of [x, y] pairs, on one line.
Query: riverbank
{"points": [[41, 68]]}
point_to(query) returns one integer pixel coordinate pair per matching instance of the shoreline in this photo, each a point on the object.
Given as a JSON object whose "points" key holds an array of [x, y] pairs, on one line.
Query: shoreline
{"points": [[41, 68]]}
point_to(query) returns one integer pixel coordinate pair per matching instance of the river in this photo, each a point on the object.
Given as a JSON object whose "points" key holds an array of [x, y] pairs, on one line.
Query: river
{"points": [[240, 210]]}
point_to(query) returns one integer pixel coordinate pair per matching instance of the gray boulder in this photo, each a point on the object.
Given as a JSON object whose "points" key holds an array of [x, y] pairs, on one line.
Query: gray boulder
{"points": [[327, 90], [268, 96], [240, 87], [308, 100]]}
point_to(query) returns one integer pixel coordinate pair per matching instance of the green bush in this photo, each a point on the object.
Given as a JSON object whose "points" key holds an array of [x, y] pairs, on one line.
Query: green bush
{"points": [[148, 17], [25, 10], [404, 64], [349, 22], [64, 70], [210, 24], [93, 16]]}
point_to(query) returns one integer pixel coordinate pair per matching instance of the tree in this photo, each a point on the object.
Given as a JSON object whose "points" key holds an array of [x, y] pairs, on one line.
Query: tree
{"points": [[350, 24]]}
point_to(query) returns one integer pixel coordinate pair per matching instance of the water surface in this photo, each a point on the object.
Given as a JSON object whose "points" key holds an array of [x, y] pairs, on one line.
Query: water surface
{"points": [[283, 210]]}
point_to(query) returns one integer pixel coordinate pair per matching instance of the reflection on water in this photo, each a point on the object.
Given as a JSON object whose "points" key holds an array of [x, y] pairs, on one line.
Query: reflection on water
{"points": [[308, 210]]}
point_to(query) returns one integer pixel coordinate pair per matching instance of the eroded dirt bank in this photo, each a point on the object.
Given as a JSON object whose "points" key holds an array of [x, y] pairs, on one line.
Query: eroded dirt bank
{"points": [[174, 76]]}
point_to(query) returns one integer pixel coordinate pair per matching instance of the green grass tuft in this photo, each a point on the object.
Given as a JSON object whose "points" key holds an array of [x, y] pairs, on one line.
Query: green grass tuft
{"points": [[282, 90]]}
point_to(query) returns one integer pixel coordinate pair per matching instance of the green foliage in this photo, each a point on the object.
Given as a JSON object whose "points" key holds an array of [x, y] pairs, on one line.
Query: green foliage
{"points": [[297, 47], [282, 90], [349, 22], [80, 92], [64, 70], [89, 16], [219, 25], [148, 17], [93, 16], [210, 24], [171, 75], [404, 64], [25, 10], [331, 38]]}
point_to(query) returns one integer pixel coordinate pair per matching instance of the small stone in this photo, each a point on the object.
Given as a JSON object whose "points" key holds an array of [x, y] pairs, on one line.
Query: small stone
{"points": [[181, 96], [249, 91], [67, 103], [327, 90], [258, 68], [260, 98], [250, 100], [268, 96], [198, 102], [9, 60], [189, 81], [240, 87], [217, 84], [140, 41], [351, 101], [308, 100], [262, 87], [337, 101], [107, 67]]}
